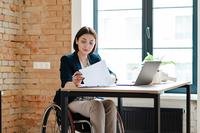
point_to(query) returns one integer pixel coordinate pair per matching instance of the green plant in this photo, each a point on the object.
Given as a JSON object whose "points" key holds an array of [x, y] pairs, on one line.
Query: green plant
{"points": [[150, 57]]}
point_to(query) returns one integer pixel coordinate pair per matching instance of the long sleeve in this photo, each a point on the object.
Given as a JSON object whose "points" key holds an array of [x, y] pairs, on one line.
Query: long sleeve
{"points": [[65, 71]]}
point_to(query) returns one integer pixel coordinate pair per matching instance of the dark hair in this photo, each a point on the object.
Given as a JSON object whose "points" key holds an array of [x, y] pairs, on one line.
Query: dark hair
{"points": [[82, 31]]}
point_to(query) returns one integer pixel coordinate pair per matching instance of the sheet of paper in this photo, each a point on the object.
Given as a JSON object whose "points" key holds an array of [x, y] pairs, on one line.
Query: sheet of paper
{"points": [[97, 75]]}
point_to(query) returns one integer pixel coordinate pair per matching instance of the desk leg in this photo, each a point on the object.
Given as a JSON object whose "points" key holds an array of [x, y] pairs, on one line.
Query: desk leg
{"points": [[157, 113], [119, 100], [188, 109], [64, 109]]}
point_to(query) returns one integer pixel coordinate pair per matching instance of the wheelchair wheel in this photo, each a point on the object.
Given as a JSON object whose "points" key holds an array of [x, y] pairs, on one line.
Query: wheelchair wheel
{"points": [[50, 120]]}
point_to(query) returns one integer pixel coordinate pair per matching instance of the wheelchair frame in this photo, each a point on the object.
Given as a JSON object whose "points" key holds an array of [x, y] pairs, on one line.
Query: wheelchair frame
{"points": [[52, 124]]}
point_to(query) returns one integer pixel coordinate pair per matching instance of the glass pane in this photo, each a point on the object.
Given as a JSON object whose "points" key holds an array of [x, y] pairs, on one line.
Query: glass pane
{"points": [[119, 29], [119, 35], [119, 4], [172, 27], [122, 62], [172, 36]]}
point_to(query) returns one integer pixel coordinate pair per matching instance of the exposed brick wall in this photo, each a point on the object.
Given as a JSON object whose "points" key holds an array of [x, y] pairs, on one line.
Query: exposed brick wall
{"points": [[31, 31], [10, 64]]}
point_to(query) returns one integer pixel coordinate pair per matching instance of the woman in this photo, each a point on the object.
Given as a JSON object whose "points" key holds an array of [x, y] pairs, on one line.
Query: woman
{"points": [[102, 113]]}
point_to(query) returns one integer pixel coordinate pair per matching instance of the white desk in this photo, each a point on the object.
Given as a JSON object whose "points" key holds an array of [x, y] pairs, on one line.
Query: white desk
{"points": [[146, 91]]}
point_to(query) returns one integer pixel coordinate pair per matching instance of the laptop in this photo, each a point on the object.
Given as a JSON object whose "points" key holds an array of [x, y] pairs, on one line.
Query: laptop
{"points": [[146, 74]]}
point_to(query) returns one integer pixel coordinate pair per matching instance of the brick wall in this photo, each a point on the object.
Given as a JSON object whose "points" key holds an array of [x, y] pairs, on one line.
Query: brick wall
{"points": [[30, 31]]}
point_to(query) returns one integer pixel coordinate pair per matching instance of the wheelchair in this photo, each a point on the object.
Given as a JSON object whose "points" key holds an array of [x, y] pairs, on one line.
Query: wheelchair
{"points": [[51, 122]]}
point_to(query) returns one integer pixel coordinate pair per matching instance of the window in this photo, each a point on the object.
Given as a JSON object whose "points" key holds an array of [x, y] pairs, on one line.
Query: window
{"points": [[127, 30], [172, 35]]}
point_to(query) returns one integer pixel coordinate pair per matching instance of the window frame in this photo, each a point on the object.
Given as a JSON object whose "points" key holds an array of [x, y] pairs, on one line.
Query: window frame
{"points": [[147, 44]]}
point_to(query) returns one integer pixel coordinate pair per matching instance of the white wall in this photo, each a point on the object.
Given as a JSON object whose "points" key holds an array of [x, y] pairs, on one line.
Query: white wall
{"points": [[81, 9]]}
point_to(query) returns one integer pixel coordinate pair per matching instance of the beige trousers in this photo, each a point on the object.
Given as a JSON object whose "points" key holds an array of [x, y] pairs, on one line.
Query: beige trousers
{"points": [[102, 114]]}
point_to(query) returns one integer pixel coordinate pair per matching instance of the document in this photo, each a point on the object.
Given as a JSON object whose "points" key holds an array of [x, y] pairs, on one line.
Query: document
{"points": [[97, 75]]}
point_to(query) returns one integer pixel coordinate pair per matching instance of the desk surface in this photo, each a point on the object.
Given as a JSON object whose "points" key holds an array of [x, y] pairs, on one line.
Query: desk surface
{"points": [[152, 89]]}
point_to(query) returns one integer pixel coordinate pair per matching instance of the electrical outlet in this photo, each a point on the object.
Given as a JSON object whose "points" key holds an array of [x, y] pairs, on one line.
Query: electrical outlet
{"points": [[41, 65]]}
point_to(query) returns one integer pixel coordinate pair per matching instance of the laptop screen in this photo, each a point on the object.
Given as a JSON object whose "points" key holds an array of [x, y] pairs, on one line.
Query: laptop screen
{"points": [[147, 72]]}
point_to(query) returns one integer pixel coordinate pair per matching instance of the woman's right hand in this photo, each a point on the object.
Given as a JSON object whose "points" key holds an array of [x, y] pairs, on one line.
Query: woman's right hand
{"points": [[77, 78]]}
